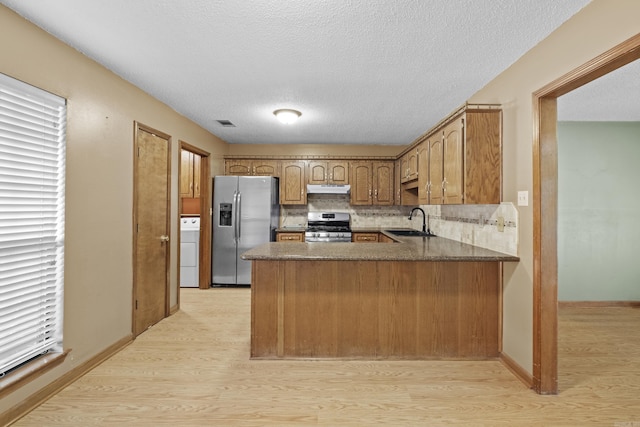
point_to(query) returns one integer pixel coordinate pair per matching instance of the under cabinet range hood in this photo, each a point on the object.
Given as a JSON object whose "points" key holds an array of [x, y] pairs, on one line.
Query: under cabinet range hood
{"points": [[328, 189]]}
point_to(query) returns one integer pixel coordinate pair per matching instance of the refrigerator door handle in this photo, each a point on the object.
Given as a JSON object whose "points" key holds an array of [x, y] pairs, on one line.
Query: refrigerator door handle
{"points": [[239, 213], [235, 216]]}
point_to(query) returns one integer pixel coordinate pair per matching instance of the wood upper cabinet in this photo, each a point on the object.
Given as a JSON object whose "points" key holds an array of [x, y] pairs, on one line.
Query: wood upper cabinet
{"points": [[293, 188], [189, 174], [483, 157], [255, 167], [328, 172], [409, 165], [382, 179], [397, 184], [361, 183], [372, 182], [423, 172], [453, 160], [467, 159], [435, 178]]}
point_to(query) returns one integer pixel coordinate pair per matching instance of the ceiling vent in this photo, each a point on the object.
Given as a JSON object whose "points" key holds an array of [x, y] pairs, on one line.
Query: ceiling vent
{"points": [[226, 123]]}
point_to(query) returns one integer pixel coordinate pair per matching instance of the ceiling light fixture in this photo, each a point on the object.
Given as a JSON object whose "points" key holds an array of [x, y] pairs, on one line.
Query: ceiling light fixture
{"points": [[287, 116]]}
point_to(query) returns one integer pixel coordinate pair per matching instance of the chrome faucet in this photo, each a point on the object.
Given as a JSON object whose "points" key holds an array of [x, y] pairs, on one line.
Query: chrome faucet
{"points": [[425, 229]]}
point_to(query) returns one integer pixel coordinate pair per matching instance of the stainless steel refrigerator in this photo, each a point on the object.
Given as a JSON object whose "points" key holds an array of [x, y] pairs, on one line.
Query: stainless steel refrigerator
{"points": [[246, 213]]}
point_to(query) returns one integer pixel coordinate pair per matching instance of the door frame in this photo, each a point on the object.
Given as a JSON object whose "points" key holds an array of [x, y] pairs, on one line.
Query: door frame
{"points": [[137, 126], [545, 209], [204, 254]]}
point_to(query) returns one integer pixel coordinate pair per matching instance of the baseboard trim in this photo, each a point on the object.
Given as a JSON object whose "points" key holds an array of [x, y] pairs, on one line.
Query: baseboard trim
{"points": [[517, 370], [588, 304], [30, 403]]}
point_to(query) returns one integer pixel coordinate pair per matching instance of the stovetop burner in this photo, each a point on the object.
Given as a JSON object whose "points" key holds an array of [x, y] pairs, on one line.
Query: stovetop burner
{"points": [[328, 227]]}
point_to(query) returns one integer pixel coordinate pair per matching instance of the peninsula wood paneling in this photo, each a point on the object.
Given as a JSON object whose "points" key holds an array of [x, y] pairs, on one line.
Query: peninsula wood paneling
{"points": [[375, 309]]}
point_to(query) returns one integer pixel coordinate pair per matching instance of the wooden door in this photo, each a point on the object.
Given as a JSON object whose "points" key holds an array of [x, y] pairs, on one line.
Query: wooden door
{"points": [[293, 189], [453, 161], [382, 177], [423, 172], [435, 170], [151, 228], [360, 180], [338, 172], [317, 172]]}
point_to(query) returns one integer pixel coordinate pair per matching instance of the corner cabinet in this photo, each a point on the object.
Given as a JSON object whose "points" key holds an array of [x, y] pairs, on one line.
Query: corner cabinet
{"points": [[372, 182], [293, 183]]}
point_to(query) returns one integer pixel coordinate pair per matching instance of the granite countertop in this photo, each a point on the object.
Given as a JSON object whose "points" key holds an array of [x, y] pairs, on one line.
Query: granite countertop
{"points": [[404, 249]]}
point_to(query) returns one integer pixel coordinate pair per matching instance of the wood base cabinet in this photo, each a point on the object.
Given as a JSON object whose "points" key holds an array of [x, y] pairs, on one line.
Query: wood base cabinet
{"points": [[375, 309]]}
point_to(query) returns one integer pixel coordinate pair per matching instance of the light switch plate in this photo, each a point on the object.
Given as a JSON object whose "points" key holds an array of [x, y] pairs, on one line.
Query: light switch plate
{"points": [[523, 198]]}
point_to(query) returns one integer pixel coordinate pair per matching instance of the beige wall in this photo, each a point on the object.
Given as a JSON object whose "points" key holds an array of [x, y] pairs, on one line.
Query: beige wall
{"points": [[99, 190], [601, 25], [102, 108]]}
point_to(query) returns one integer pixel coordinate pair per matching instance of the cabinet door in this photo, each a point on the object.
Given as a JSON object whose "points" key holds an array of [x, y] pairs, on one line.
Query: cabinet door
{"points": [[435, 170], [364, 237], [423, 172], [404, 168], [196, 174], [317, 172], [290, 237], [397, 185], [412, 164], [338, 172], [382, 177], [360, 179], [453, 161], [265, 168], [186, 173], [483, 157], [238, 167], [293, 188]]}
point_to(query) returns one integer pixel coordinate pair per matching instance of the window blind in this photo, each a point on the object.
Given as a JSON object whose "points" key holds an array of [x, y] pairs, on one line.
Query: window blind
{"points": [[32, 173]]}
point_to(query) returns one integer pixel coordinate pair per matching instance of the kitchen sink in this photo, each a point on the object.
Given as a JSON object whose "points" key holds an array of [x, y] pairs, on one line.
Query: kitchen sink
{"points": [[412, 233]]}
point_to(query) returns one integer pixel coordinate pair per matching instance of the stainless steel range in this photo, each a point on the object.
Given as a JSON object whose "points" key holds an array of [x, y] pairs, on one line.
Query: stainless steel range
{"points": [[328, 227]]}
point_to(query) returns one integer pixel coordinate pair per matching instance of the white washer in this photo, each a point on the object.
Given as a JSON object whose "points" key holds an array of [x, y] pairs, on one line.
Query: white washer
{"points": [[189, 251]]}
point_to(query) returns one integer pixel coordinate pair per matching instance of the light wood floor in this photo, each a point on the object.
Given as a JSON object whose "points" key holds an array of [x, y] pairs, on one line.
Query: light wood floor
{"points": [[193, 370]]}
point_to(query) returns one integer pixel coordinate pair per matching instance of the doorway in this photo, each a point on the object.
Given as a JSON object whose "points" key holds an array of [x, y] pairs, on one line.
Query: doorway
{"points": [[545, 212], [151, 227], [194, 171]]}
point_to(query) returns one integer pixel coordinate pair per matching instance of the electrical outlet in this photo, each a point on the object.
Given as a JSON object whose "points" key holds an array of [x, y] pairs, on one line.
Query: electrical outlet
{"points": [[500, 224], [523, 198]]}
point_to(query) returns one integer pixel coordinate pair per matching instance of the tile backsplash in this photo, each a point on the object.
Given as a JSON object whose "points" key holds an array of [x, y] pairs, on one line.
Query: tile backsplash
{"points": [[473, 224]]}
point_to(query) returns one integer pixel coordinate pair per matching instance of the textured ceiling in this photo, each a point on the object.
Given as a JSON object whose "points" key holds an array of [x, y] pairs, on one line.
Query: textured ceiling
{"points": [[361, 71]]}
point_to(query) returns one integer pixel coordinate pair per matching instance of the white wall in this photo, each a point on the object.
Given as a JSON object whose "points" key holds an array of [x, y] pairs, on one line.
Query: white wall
{"points": [[598, 211]]}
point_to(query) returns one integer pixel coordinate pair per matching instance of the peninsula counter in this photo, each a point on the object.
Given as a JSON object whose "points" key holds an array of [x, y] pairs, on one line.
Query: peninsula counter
{"points": [[419, 298]]}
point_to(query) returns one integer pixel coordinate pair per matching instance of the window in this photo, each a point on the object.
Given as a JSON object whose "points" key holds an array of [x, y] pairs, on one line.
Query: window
{"points": [[32, 172]]}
